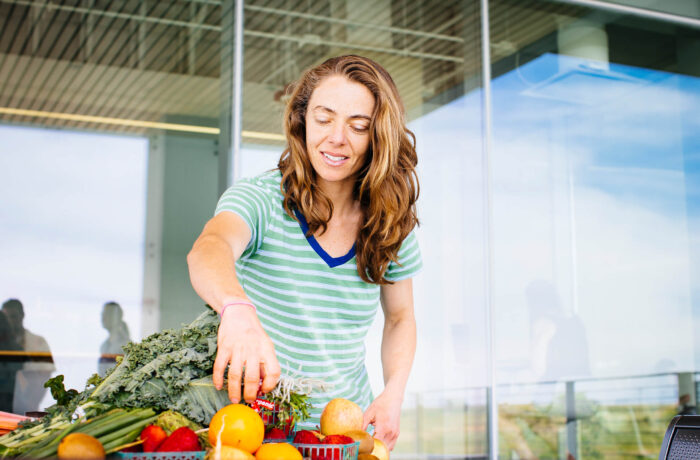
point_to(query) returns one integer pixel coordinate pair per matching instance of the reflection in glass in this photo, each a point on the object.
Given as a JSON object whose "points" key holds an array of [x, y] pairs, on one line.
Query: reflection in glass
{"points": [[38, 361], [76, 238], [8, 367], [113, 322], [594, 180], [95, 216]]}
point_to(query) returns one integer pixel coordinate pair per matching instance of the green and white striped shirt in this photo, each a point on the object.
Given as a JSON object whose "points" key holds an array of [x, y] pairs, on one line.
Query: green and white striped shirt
{"points": [[315, 308]]}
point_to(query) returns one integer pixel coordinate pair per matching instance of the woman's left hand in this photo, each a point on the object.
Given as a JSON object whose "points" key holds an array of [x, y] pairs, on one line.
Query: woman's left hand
{"points": [[384, 413]]}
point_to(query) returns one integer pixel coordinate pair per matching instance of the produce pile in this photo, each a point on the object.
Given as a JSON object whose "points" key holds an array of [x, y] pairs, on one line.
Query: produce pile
{"points": [[236, 433], [164, 381]]}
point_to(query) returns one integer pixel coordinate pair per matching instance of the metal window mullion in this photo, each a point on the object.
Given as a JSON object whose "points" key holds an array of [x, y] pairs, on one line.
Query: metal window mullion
{"points": [[492, 397], [635, 11], [235, 163]]}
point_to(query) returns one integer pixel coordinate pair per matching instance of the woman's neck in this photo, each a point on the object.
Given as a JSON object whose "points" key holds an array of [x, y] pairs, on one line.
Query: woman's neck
{"points": [[341, 195]]}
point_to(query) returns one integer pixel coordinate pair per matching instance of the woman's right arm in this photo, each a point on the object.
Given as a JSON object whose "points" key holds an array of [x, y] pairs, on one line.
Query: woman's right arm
{"points": [[242, 342]]}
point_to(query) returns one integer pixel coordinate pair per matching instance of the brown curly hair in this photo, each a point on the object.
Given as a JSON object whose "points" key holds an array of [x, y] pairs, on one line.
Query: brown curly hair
{"points": [[387, 185]]}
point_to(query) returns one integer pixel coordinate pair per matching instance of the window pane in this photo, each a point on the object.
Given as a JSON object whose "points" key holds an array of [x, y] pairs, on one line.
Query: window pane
{"points": [[74, 242], [595, 128], [109, 128]]}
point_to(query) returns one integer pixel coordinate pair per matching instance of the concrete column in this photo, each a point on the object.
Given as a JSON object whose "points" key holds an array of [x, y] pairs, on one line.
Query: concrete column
{"points": [[182, 196], [686, 386]]}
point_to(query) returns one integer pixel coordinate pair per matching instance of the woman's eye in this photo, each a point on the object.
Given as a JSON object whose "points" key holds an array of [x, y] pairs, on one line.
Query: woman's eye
{"points": [[360, 129], [322, 121]]}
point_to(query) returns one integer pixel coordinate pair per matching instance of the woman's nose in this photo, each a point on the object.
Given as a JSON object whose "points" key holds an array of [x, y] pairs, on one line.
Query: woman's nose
{"points": [[337, 135]]}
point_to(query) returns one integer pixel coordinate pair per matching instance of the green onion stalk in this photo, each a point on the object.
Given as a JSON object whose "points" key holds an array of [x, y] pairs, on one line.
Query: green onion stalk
{"points": [[113, 428]]}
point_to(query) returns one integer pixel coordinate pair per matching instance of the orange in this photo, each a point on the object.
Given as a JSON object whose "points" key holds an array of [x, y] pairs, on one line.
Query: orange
{"points": [[80, 446], [237, 425], [278, 451]]}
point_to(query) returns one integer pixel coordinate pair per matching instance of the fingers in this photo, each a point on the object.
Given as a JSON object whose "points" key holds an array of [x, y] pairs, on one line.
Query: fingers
{"points": [[235, 372], [220, 363], [387, 435], [270, 371], [386, 429], [251, 379], [390, 445], [249, 353], [368, 417]]}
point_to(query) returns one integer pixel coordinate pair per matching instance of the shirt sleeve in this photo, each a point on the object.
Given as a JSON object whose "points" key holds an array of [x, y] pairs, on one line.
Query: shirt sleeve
{"points": [[410, 260], [249, 200]]}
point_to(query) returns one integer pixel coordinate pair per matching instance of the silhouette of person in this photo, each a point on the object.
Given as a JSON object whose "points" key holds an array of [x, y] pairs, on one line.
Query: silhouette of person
{"points": [[8, 366], [29, 382], [559, 351], [560, 346], [113, 321], [684, 406]]}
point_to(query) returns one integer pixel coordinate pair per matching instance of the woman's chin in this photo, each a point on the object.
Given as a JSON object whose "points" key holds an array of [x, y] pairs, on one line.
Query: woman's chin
{"points": [[333, 176]]}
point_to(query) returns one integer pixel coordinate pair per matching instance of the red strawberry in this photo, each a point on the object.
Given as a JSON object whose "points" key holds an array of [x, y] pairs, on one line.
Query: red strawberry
{"points": [[336, 453], [338, 439], [181, 440], [275, 433], [306, 437], [321, 454], [152, 436]]}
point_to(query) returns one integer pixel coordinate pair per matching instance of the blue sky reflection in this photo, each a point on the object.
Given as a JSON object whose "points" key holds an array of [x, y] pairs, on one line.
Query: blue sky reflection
{"points": [[72, 236], [594, 177]]}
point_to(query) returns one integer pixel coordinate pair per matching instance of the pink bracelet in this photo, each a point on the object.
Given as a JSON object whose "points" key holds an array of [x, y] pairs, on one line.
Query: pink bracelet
{"points": [[235, 303]]}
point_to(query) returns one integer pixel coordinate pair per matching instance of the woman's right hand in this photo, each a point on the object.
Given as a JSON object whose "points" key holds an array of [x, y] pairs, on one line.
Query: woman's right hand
{"points": [[249, 353]]}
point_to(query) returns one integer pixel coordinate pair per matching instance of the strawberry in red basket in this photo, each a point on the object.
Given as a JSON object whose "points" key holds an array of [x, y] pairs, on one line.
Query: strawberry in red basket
{"points": [[152, 436], [275, 433], [181, 440], [336, 453], [306, 437]]}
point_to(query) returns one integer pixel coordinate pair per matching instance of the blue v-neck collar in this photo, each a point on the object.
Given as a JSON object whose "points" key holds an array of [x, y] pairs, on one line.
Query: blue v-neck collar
{"points": [[331, 261]]}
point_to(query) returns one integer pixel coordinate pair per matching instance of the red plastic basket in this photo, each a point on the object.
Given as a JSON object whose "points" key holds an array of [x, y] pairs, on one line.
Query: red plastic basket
{"points": [[329, 451], [195, 455], [274, 417]]}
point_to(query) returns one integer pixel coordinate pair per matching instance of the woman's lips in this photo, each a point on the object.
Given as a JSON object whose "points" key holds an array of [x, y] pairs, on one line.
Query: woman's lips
{"points": [[334, 159]]}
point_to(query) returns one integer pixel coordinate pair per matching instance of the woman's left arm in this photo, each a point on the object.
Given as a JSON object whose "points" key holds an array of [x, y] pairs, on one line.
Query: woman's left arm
{"points": [[398, 350]]}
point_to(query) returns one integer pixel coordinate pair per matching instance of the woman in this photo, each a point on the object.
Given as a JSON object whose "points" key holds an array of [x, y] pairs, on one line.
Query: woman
{"points": [[297, 259]]}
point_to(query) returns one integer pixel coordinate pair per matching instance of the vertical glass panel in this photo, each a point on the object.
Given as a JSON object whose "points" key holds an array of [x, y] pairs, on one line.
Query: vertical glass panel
{"points": [[595, 140], [109, 128], [432, 50]]}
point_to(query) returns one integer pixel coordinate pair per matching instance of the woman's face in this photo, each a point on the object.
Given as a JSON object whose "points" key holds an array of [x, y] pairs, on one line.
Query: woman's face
{"points": [[337, 128]]}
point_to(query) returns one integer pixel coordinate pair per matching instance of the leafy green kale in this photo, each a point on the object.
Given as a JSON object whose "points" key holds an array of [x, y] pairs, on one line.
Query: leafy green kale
{"points": [[62, 396], [172, 370], [157, 371]]}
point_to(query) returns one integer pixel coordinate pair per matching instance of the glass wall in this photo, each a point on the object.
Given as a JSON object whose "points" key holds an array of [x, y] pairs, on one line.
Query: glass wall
{"points": [[109, 122], [594, 161], [559, 199]]}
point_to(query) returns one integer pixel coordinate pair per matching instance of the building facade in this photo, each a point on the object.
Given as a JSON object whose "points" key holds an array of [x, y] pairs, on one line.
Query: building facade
{"points": [[559, 160]]}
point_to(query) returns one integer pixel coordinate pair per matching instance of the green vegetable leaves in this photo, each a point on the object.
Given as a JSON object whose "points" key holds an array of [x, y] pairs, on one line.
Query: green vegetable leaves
{"points": [[58, 391], [156, 372]]}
